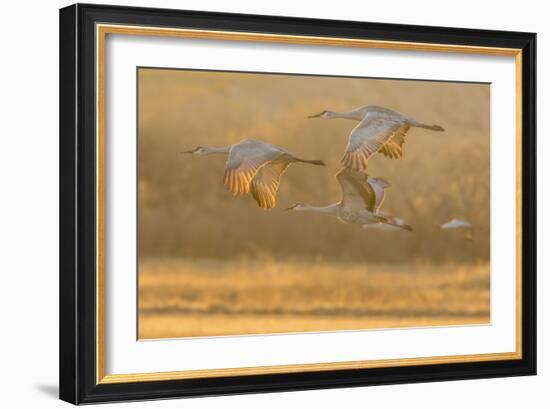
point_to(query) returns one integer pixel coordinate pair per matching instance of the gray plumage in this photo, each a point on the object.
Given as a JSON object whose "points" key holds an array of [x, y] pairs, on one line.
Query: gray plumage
{"points": [[380, 130], [254, 167], [360, 202]]}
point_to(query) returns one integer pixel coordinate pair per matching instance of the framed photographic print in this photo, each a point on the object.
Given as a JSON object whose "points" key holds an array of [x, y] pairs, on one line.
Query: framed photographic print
{"points": [[257, 203]]}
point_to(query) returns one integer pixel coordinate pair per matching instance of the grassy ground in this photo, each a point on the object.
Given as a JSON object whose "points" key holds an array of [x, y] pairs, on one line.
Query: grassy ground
{"points": [[179, 298]]}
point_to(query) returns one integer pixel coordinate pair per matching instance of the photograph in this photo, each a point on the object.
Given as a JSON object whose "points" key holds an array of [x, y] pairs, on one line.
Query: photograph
{"points": [[259, 202], [273, 203]]}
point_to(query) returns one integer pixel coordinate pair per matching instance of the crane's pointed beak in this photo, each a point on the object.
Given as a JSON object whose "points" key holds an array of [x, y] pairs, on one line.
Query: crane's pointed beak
{"points": [[189, 151], [319, 115], [385, 183]]}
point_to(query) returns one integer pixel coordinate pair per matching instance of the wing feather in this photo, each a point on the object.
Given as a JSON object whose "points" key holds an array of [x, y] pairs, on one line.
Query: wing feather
{"points": [[245, 159], [265, 184], [384, 135], [379, 187], [394, 147], [357, 193]]}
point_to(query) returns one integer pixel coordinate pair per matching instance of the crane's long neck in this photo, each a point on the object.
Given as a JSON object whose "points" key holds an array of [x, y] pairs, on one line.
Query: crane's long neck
{"points": [[355, 115], [330, 209], [221, 150]]}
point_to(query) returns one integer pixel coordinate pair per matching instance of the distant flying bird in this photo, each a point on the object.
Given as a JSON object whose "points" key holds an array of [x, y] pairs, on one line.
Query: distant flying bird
{"points": [[379, 130], [456, 224], [359, 203], [255, 167]]}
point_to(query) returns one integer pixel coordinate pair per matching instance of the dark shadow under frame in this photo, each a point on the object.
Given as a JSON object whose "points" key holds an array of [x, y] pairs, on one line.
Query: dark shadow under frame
{"points": [[78, 210]]}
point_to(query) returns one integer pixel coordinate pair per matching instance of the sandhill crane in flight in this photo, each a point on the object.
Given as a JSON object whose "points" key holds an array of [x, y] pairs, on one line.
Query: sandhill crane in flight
{"points": [[456, 224], [360, 202], [379, 130], [255, 167]]}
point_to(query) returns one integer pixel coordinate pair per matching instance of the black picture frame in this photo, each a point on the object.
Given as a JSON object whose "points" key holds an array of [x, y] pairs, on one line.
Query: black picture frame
{"points": [[78, 200]]}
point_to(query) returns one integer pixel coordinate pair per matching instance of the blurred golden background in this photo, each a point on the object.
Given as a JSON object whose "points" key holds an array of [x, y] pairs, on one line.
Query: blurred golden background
{"points": [[214, 264]]}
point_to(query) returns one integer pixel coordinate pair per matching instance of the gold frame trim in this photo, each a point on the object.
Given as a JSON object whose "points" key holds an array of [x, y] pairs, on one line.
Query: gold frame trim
{"points": [[101, 32]]}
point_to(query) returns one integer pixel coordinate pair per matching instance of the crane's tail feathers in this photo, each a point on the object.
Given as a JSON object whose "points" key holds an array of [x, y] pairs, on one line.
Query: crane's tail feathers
{"points": [[390, 220], [312, 162], [407, 227], [430, 127], [400, 226]]}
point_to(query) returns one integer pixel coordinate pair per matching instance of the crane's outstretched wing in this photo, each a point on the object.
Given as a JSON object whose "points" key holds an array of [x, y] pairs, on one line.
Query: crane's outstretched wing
{"points": [[393, 149], [357, 193], [379, 186], [265, 184], [369, 137], [245, 159]]}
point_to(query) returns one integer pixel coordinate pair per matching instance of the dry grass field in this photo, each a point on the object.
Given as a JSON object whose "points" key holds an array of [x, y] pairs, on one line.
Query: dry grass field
{"points": [[214, 264], [209, 298]]}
